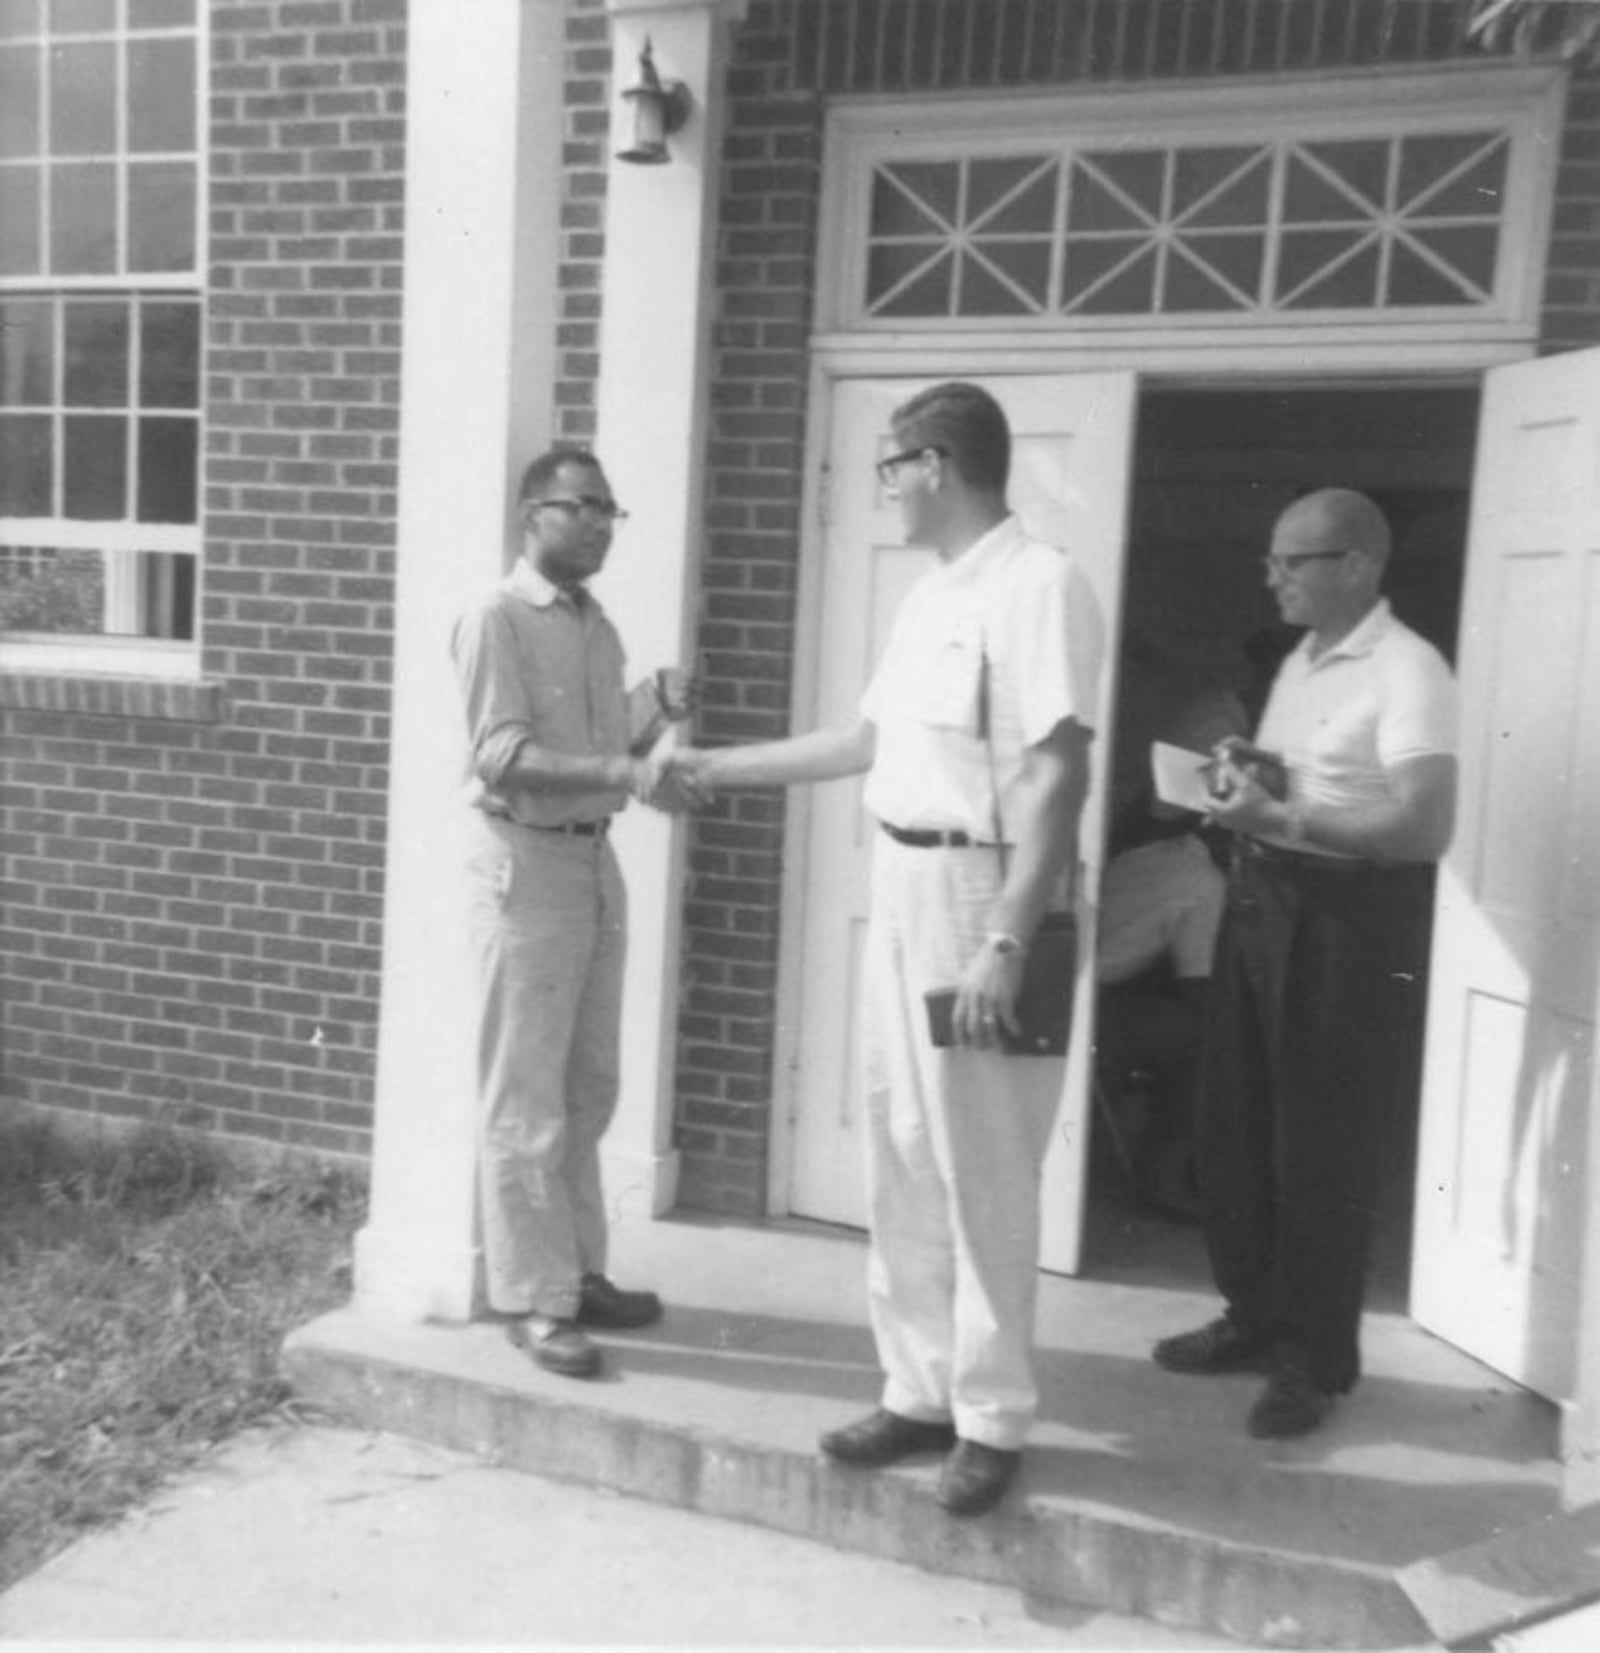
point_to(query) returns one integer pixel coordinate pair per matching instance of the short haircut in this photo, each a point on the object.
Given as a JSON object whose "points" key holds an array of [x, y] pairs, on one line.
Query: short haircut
{"points": [[967, 424], [541, 472], [1349, 517]]}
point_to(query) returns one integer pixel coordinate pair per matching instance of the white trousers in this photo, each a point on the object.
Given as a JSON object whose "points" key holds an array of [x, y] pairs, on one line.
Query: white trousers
{"points": [[548, 925], [956, 1143]]}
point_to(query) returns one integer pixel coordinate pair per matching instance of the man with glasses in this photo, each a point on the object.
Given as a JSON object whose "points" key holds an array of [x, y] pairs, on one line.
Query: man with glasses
{"points": [[1319, 970], [557, 747], [956, 1138]]}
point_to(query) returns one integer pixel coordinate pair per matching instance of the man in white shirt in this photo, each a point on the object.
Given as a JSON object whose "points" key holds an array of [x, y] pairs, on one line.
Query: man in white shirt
{"points": [[1319, 966], [957, 1137]]}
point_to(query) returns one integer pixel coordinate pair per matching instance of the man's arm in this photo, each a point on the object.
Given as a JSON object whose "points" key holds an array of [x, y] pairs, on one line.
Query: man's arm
{"points": [[1413, 823], [1055, 782], [822, 755]]}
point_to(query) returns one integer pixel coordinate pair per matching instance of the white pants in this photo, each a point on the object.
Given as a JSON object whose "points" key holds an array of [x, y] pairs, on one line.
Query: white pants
{"points": [[956, 1142], [548, 926]]}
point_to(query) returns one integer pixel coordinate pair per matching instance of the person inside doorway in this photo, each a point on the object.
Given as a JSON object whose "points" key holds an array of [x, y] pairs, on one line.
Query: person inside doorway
{"points": [[557, 747], [957, 1136], [1161, 903], [1320, 962]]}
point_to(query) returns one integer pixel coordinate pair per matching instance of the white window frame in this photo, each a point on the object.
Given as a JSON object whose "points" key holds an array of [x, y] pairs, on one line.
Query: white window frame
{"points": [[77, 654], [1528, 101]]}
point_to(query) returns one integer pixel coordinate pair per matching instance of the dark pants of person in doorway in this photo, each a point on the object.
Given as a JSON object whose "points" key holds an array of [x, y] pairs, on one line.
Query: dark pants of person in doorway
{"points": [[1314, 1038]]}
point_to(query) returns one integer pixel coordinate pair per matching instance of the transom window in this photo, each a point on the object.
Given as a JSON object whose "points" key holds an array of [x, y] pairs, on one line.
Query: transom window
{"points": [[1338, 204], [100, 322]]}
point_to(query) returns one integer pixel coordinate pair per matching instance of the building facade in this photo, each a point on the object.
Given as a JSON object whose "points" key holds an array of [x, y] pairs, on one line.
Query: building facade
{"points": [[290, 287]]}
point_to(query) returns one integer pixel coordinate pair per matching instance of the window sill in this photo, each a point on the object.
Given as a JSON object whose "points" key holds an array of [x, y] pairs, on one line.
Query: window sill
{"points": [[105, 696]]}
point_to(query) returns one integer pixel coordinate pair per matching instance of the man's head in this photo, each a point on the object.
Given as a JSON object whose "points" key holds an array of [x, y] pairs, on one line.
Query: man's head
{"points": [[566, 509], [949, 462], [1327, 559]]}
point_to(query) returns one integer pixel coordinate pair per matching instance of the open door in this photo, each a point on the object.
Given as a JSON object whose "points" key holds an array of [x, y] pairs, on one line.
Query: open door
{"points": [[1501, 1195], [1072, 447]]}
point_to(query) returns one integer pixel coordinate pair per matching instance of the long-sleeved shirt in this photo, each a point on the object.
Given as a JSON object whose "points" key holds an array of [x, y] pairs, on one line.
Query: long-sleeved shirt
{"points": [[540, 663]]}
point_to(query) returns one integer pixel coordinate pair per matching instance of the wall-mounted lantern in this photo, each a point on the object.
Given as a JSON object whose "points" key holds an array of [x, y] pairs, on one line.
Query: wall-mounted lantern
{"points": [[658, 110]]}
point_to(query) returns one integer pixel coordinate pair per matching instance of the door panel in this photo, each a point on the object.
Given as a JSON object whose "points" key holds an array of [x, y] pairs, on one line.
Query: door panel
{"points": [[1501, 1195], [1072, 446]]}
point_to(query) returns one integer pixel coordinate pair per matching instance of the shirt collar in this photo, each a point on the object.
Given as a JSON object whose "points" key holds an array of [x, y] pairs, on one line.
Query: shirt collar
{"points": [[1362, 638], [533, 587], [984, 551]]}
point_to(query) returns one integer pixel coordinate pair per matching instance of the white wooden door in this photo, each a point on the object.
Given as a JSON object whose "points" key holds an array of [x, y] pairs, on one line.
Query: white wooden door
{"points": [[1501, 1184], [1072, 450]]}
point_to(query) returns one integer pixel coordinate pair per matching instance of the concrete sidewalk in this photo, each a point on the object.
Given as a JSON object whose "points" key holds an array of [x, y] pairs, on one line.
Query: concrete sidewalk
{"points": [[1140, 1494], [319, 1536]]}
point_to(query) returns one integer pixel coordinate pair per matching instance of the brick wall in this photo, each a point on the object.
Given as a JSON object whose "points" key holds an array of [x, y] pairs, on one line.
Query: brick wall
{"points": [[1572, 281], [788, 55], [587, 88], [192, 900]]}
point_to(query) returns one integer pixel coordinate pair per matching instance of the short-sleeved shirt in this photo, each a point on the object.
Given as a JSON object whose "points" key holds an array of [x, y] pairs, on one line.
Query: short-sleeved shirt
{"points": [[539, 663], [1162, 900], [1378, 697], [1030, 612]]}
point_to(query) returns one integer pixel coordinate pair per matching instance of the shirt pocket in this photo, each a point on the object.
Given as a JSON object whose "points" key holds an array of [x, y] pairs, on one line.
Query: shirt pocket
{"points": [[948, 671]]}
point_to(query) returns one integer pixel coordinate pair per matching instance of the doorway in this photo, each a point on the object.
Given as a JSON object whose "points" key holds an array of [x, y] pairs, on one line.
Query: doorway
{"points": [[1211, 470]]}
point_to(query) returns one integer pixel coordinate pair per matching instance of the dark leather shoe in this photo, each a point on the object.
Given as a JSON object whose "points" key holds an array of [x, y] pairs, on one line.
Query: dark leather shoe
{"points": [[885, 1437], [557, 1345], [1217, 1347], [1292, 1403], [614, 1310], [975, 1477]]}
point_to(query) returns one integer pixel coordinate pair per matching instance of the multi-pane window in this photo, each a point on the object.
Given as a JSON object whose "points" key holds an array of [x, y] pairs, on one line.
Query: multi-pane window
{"points": [[1362, 225], [99, 318]]}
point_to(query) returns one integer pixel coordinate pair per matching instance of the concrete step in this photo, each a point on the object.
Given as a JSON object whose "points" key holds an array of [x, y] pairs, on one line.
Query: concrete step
{"points": [[1139, 1493]]}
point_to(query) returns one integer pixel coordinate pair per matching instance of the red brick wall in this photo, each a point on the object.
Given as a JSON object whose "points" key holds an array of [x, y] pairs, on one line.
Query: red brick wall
{"points": [[788, 54], [192, 901]]}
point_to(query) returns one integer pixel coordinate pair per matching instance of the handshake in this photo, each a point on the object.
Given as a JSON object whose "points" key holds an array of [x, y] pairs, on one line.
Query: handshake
{"points": [[673, 779]]}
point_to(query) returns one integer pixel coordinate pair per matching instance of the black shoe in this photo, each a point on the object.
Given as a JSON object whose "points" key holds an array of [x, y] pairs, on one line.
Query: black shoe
{"points": [[1217, 1347], [557, 1345], [884, 1437], [614, 1310], [975, 1477], [1293, 1403]]}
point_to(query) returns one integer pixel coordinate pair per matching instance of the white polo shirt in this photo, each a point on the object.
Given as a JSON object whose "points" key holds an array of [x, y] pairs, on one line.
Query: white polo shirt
{"points": [[1380, 695], [1027, 607]]}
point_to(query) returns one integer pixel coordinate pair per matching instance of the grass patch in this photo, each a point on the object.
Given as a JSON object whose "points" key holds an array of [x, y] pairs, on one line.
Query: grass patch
{"points": [[145, 1290]]}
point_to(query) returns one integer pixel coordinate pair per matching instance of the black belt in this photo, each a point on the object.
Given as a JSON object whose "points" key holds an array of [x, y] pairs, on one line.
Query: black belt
{"points": [[578, 829], [1274, 855], [932, 838]]}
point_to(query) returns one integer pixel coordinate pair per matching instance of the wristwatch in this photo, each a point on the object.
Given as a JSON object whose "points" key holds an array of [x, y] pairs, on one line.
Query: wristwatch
{"points": [[1005, 944]]}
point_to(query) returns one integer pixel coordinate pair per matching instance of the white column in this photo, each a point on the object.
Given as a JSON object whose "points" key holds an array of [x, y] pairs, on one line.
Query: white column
{"points": [[655, 307], [483, 153]]}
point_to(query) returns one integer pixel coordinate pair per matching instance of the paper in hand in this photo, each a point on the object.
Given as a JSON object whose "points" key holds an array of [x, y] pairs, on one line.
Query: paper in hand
{"points": [[1182, 778]]}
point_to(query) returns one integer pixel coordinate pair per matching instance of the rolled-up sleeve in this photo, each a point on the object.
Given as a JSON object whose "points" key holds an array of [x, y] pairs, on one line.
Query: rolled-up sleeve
{"points": [[499, 718]]}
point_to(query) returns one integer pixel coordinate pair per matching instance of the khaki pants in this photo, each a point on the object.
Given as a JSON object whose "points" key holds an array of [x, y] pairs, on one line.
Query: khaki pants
{"points": [[956, 1143], [548, 927]]}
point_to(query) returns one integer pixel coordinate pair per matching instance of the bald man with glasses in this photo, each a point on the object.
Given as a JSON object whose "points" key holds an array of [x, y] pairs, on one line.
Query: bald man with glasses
{"points": [[1320, 964], [557, 747]]}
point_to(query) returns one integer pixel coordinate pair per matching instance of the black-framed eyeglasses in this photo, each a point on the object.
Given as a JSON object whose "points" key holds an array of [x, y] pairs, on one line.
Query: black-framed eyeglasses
{"points": [[1288, 561], [888, 467], [588, 506]]}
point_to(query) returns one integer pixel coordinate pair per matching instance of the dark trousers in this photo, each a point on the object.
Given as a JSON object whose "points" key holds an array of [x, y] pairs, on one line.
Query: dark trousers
{"points": [[1313, 1041]]}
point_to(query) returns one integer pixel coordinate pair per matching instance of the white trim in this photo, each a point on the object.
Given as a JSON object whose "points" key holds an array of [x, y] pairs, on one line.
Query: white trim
{"points": [[41, 654], [1527, 101]]}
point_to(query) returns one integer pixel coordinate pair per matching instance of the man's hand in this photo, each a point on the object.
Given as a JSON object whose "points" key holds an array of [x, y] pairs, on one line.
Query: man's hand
{"points": [[986, 998], [677, 693], [656, 781]]}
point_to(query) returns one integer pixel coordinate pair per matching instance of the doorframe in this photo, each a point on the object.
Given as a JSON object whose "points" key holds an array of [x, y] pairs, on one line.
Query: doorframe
{"points": [[1314, 364]]}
